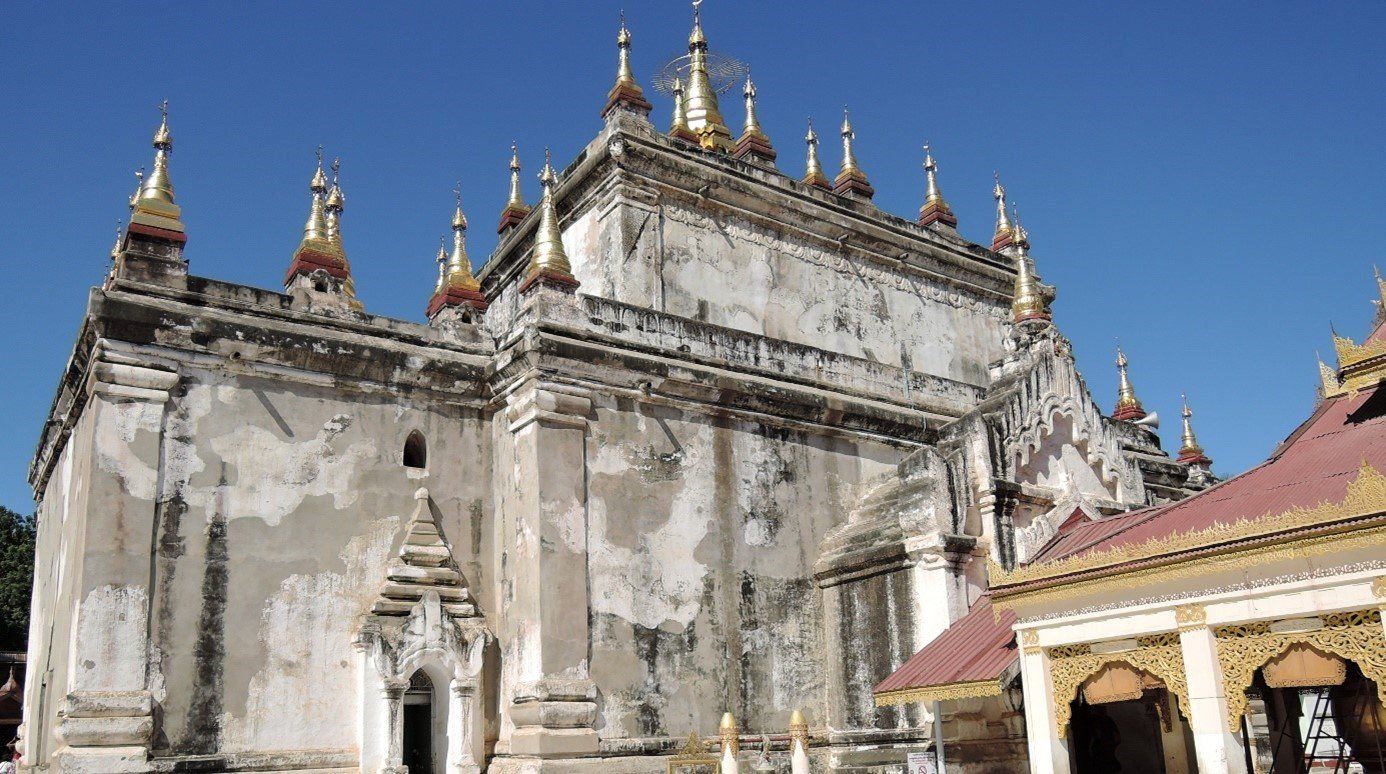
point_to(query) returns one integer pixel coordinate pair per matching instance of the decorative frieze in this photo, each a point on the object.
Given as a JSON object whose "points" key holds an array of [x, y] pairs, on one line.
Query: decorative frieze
{"points": [[1159, 654]]}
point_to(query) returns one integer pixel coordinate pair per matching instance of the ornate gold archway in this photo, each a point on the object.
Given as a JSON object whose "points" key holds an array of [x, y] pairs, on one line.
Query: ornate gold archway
{"points": [[1245, 648], [1070, 665]]}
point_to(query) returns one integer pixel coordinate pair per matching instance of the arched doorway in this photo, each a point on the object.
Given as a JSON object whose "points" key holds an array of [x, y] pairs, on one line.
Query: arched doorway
{"points": [[418, 725], [1125, 721], [1314, 711]]}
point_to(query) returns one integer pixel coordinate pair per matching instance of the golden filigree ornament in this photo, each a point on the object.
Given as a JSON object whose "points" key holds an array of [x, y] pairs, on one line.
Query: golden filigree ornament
{"points": [[1190, 617], [945, 692], [1070, 665], [694, 755], [1245, 648]]}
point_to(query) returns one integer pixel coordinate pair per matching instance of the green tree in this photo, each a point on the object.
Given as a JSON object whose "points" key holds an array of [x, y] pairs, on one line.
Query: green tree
{"points": [[16, 578]]}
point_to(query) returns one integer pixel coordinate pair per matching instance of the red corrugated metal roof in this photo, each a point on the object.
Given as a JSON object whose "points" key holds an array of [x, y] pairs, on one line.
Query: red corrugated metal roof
{"points": [[978, 646], [1313, 466]]}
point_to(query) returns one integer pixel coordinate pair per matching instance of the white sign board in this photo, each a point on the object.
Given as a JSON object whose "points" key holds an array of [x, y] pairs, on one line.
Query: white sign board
{"points": [[922, 763]]}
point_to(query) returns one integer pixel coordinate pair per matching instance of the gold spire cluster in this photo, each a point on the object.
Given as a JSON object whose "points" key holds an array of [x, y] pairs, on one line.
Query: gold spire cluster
{"points": [[700, 101], [320, 249], [813, 171], [935, 209], [1128, 406], [1030, 302], [1190, 453], [457, 286], [851, 180], [153, 214], [548, 262], [754, 145], [625, 93], [515, 207]]}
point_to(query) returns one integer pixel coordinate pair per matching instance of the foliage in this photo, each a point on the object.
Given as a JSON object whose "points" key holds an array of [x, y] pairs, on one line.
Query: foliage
{"points": [[16, 578]]}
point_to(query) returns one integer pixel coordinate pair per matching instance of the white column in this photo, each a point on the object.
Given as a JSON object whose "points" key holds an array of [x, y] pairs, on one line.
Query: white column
{"points": [[1215, 747], [464, 738], [1048, 753]]}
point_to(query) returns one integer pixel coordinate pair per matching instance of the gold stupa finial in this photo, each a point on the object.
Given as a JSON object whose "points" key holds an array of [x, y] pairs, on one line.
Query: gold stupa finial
{"points": [[316, 226], [849, 159], [731, 741], [625, 93], [678, 125], [459, 265], [442, 266], [813, 171], [1128, 406], [1004, 231], [334, 204], [139, 185], [753, 145], [547, 259], [935, 208], [752, 124], [157, 187], [1030, 302], [851, 181], [115, 249], [700, 101], [515, 208], [1189, 451], [623, 71], [1019, 236]]}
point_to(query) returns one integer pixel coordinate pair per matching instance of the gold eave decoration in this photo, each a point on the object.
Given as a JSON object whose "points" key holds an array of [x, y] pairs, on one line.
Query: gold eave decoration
{"points": [[1365, 496], [1351, 353], [964, 690]]}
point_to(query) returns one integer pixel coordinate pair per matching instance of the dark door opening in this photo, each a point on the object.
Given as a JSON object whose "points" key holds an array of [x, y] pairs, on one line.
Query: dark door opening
{"points": [[1122, 736], [418, 725]]}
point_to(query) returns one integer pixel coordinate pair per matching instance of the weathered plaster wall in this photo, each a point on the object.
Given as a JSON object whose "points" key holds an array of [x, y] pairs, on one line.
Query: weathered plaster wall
{"points": [[703, 529], [712, 264], [282, 503]]}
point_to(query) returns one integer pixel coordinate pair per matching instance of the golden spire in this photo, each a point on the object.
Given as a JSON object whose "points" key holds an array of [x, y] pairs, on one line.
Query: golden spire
{"points": [[753, 145], [547, 259], [851, 180], [1189, 450], [935, 209], [442, 266], [1004, 231], [316, 227], [813, 173], [139, 185], [1029, 302], [158, 187], [700, 103], [678, 127], [334, 204], [1128, 406], [459, 265], [752, 124], [115, 249], [153, 212], [515, 207], [457, 286], [625, 92]]}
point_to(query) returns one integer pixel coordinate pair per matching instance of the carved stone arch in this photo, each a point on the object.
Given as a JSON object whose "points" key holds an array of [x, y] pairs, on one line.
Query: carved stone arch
{"points": [[423, 619]]}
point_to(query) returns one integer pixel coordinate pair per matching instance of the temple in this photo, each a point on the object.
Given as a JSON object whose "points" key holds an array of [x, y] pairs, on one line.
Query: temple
{"points": [[703, 435]]}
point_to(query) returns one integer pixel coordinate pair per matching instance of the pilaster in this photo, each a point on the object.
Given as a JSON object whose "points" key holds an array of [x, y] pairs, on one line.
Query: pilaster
{"points": [[1048, 753], [552, 698], [106, 713], [1215, 748]]}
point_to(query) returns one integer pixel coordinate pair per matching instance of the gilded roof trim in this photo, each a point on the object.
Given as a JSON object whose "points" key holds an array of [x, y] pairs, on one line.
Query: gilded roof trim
{"points": [[929, 693], [1366, 495]]}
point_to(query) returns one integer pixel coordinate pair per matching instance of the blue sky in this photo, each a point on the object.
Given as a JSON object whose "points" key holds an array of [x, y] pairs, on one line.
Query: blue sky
{"points": [[1203, 180]]}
